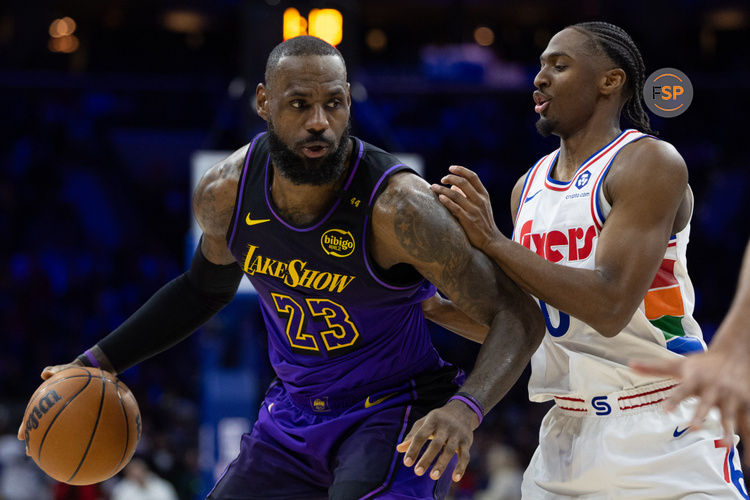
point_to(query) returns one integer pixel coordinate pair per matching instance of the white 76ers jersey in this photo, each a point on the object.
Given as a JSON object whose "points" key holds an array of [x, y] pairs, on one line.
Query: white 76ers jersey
{"points": [[561, 222]]}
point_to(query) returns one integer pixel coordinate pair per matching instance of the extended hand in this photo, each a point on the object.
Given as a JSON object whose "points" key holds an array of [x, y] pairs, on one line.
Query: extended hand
{"points": [[469, 202], [718, 378], [451, 430]]}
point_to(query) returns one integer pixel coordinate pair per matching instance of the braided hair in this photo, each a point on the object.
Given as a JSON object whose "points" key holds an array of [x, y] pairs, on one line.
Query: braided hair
{"points": [[621, 49]]}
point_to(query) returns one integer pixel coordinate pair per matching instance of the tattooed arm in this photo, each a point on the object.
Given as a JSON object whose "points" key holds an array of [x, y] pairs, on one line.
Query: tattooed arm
{"points": [[410, 226], [445, 313]]}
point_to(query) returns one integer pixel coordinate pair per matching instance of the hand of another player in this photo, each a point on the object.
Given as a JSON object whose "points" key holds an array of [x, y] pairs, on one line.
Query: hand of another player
{"points": [[469, 202], [719, 378], [47, 372], [450, 430]]}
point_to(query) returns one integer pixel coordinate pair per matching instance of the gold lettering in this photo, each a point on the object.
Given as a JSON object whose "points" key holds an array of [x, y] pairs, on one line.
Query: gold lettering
{"points": [[250, 251], [319, 284], [341, 282], [256, 266], [295, 266], [294, 272], [307, 277], [280, 271], [267, 265]]}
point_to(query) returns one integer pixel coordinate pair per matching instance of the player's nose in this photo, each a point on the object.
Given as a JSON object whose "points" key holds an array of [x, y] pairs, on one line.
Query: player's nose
{"points": [[317, 120], [540, 80]]}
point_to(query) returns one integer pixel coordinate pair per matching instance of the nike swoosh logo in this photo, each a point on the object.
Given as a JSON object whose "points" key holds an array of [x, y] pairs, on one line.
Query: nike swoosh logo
{"points": [[677, 432], [252, 222], [530, 197], [369, 403]]}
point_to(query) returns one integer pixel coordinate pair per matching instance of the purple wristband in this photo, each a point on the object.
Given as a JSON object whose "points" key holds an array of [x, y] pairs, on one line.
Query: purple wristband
{"points": [[472, 403], [91, 358]]}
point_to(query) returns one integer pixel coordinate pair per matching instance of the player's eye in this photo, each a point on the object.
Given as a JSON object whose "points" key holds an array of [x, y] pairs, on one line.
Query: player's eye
{"points": [[334, 103], [560, 67], [297, 104]]}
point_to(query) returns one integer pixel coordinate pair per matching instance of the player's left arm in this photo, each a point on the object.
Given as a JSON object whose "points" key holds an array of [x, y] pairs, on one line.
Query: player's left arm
{"points": [[646, 186], [410, 226]]}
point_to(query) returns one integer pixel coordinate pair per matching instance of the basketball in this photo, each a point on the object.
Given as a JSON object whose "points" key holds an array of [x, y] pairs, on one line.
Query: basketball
{"points": [[82, 426]]}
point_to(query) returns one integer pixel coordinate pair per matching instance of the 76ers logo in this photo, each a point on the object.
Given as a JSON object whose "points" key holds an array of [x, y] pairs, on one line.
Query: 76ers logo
{"points": [[576, 243], [583, 179]]}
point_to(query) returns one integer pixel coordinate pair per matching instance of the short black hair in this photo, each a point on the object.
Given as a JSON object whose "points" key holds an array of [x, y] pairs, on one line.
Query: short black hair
{"points": [[300, 46], [622, 50]]}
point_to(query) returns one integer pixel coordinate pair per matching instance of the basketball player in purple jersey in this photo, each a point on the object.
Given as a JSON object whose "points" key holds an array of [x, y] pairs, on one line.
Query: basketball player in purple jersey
{"points": [[343, 243], [601, 230]]}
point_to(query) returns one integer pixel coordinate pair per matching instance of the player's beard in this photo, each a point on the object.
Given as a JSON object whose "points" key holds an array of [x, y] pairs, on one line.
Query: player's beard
{"points": [[545, 126], [303, 170]]}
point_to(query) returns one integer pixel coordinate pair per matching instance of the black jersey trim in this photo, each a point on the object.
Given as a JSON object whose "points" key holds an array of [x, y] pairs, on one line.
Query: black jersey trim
{"points": [[232, 231]]}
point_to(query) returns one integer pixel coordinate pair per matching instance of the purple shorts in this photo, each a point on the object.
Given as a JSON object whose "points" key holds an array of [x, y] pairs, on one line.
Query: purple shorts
{"points": [[295, 452]]}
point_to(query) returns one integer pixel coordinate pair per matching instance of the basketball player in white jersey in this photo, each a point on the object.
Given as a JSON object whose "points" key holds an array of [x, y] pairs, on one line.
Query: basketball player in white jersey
{"points": [[601, 229]]}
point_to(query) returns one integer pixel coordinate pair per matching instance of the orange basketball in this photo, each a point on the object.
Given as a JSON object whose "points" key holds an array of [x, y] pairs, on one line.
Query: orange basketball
{"points": [[82, 426]]}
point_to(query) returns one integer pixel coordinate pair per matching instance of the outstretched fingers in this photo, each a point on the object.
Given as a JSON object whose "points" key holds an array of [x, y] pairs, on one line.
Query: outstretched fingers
{"points": [[414, 441]]}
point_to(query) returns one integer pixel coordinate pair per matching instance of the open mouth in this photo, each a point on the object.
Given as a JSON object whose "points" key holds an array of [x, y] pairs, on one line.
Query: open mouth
{"points": [[315, 149], [541, 102]]}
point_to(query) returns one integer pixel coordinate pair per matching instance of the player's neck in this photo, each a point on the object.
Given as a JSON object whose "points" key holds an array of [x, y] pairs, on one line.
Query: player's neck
{"points": [[302, 204], [578, 147]]}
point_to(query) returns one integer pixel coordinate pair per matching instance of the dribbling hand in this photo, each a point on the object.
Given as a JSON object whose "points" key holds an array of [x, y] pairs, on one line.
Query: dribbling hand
{"points": [[47, 372]]}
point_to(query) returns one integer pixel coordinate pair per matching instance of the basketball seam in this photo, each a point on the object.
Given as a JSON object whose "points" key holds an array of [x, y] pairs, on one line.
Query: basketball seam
{"points": [[93, 431], [41, 443], [127, 425], [36, 398]]}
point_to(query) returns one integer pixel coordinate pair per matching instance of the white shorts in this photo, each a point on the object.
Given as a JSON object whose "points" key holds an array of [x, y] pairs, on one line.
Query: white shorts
{"points": [[624, 445]]}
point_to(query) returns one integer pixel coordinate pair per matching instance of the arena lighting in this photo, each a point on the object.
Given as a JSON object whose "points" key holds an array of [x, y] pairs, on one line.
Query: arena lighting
{"points": [[62, 27], [326, 24], [66, 44], [376, 39], [484, 36], [294, 24], [185, 21]]}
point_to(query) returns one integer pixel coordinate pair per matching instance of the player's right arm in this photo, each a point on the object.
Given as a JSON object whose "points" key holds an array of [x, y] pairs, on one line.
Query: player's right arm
{"points": [[647, 187], [185, 303]]}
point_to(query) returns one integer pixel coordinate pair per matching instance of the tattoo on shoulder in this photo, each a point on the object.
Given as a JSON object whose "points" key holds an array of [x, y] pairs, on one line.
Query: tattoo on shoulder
{"points": [[445, 257], [427, 243]]}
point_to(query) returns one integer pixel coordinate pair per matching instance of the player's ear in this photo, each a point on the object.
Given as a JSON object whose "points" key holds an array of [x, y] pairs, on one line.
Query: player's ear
{"points": [[349, 94], [261, 101], [612, 81]]}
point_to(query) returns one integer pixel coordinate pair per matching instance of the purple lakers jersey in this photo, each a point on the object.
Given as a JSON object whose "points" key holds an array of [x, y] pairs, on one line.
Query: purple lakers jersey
{"points": [[338, 326]]}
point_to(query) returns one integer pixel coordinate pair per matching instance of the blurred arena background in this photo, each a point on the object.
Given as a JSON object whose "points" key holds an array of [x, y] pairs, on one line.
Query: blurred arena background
{"points": [[107, 106]]}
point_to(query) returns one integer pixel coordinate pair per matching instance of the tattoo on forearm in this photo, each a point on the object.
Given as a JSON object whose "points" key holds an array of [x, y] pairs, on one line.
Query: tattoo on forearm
{"points": [[431, 243]]}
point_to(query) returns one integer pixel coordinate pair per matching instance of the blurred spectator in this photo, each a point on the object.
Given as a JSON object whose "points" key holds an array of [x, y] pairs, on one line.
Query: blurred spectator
{"points": [[20, 478], [63, 491], [504, 474], [140, 483]]}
